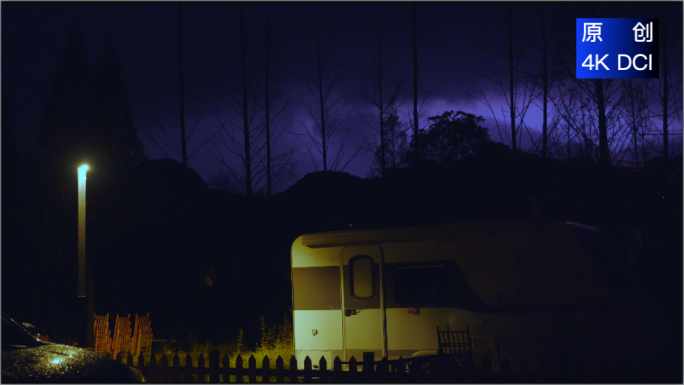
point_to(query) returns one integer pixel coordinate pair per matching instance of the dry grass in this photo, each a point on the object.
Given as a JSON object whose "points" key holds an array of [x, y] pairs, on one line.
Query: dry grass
{"points": [[276, 340]]}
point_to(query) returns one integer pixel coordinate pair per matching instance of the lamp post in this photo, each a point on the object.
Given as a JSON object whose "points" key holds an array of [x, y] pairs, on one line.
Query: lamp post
{"points": [[85, 290]]}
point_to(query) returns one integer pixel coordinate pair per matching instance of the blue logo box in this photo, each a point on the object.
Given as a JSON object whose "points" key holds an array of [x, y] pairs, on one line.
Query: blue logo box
{"points": [[617, 48]]}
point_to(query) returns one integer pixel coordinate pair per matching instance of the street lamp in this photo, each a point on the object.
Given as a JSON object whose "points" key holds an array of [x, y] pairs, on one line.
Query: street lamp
{"points": [[81, 230], [85, 289]]}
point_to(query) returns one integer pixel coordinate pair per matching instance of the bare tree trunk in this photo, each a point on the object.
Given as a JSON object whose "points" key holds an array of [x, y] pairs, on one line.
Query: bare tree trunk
{"points": [[382, 103], [665, 100], [604, 155], [320, 94], [248, 165], [569, 143], [634, 125], [268, 130], [415, 72], [545, 85], [512, 80], [184, 154]]}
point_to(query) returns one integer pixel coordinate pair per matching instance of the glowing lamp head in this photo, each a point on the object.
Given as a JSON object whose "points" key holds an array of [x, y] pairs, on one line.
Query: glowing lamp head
{"points": [[82, 171]]}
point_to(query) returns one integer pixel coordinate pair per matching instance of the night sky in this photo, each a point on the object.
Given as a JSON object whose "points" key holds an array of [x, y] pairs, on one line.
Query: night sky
{"points": [[146, 36]]}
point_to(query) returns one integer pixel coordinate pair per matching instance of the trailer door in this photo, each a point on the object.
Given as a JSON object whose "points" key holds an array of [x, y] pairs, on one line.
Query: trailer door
{"points": [[363, 307]]}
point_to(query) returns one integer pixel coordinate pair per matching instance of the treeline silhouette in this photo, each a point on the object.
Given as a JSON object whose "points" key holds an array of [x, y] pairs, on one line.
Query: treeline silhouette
{"points": [[210, 262]]}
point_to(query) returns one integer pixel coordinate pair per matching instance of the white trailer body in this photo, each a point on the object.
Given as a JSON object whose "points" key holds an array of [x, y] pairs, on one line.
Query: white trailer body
{"points": [[525, 288]]}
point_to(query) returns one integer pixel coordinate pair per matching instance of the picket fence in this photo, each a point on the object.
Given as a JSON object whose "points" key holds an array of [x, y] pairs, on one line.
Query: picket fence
{"points": [[368, 370]]}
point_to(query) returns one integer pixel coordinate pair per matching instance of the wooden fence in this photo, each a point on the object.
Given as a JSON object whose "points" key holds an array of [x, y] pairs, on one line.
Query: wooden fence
{"points": [[415, 369]]}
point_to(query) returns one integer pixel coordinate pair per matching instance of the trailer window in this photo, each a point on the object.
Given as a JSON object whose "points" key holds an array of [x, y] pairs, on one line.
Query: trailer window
{"points": [[421, 285], [361, 276]]}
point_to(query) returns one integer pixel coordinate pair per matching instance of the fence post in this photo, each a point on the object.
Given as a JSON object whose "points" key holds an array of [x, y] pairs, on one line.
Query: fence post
{"points": [[307, 369], [152, 367], [238, 369], [382, 370], [417, 370], [144, 370], [337, 368], [294, 374], [200, 368], [214, 365], [252, 368], [188, 368], [368, 366], [265, 366], [400, 368], [293, 369], [280, 377], [176, 368], [163, 370], [353, 366], [322, 370], [226, 368]]}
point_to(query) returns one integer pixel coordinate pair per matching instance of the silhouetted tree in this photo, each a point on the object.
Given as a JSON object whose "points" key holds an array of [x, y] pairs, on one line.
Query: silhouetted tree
{"points": [[509, 68], [267, 107], [636, 115], [449, 137], [110, 113], [246, 146], [66, 133], [415, 69], [545, 86], [181, 86], [279, 162], [395, 145], [240, 129], [173, 57], [667, 89], [332, 110], [598, 100], [381, 87]]}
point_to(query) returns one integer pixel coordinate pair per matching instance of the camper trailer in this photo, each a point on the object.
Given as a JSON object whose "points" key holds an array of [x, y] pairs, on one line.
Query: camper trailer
{"points": [[530, 288]]}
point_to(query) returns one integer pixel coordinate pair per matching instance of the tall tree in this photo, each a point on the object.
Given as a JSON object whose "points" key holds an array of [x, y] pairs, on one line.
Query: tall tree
{"points": [[111, 114], [507, 67], [381, 87], [247, 148], [183, 139], [168, 99], [415, 70], [245, 107], [667, 89], [636, 115], [545, 86], [511, 77], [65, 132], [601, 100], [267, 111], [331, 110]]}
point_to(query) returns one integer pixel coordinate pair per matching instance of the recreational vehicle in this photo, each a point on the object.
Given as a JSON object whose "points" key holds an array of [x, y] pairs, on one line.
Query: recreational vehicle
{"points": [[527, 288]]}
